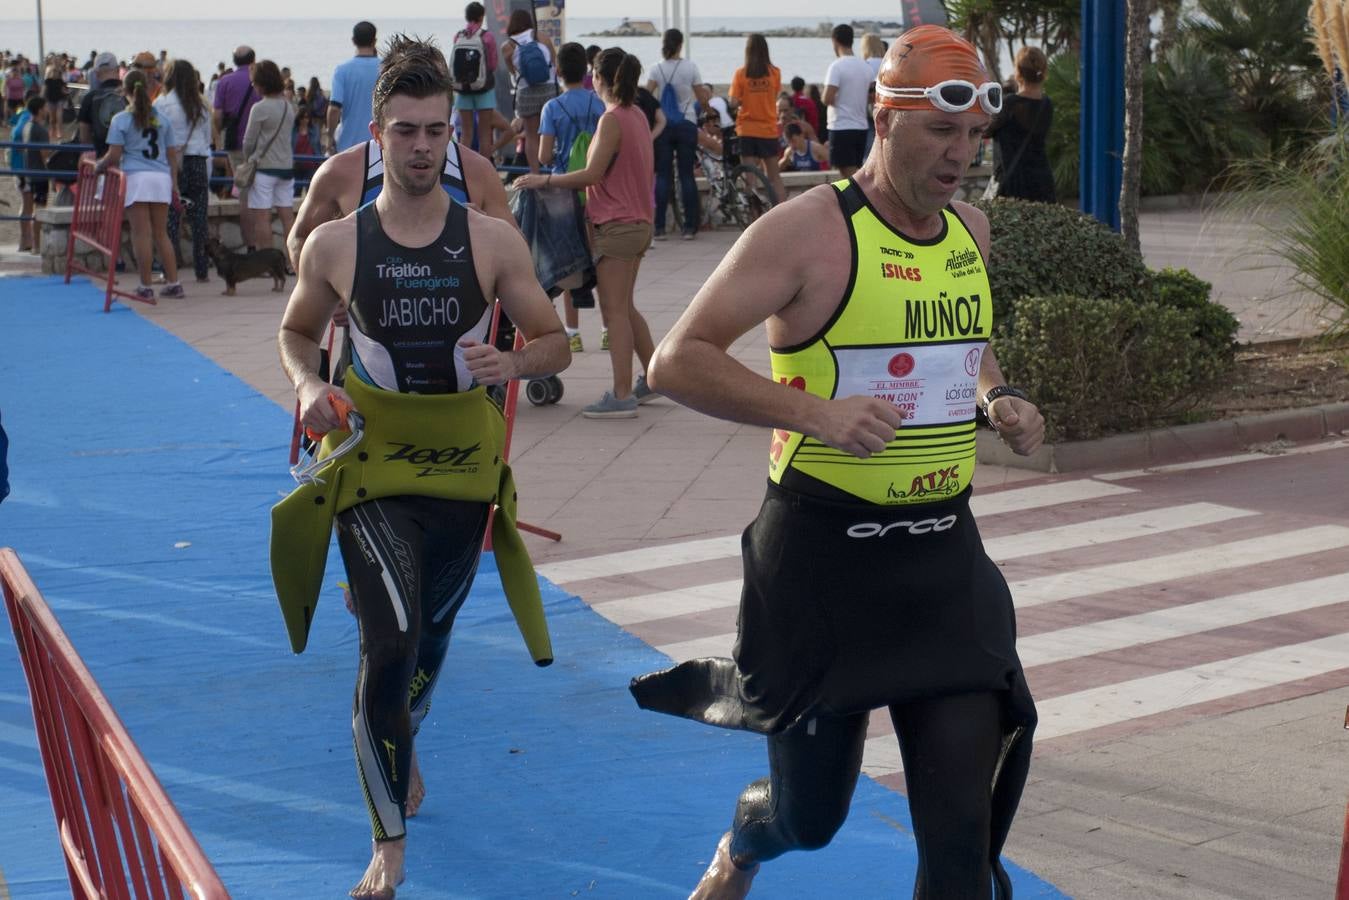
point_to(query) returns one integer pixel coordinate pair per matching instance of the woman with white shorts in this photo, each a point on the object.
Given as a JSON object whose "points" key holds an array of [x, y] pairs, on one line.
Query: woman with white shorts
{"points": [[140, 143], [267, 139]]}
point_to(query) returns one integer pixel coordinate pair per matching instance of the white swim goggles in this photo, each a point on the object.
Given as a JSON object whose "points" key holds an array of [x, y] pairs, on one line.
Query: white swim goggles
{"points": [[951, 96]]}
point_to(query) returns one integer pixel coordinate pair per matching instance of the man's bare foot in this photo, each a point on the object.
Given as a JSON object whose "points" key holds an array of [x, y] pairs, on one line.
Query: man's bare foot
{"points": [[723, 880], [385, 872], [416, 788]]}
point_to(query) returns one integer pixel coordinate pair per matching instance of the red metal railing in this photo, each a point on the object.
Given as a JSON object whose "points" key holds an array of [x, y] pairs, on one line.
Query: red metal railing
{"points": [[97, 221], [121, 835]]}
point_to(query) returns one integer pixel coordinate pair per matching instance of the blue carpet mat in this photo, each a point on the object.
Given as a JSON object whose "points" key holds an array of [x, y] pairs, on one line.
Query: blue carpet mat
{"points": [[142, 477]]}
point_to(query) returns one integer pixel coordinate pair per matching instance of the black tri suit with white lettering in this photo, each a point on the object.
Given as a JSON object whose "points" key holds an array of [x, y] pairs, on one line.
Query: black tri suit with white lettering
{"points": [[410, 560], [411, 305]]}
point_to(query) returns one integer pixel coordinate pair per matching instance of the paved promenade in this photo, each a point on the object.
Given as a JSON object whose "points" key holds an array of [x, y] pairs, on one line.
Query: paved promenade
{"points": [[1196, 784]]}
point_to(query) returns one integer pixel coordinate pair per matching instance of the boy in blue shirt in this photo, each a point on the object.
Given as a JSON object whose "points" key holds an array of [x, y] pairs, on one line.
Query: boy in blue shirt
{"points": [[564, 118]]}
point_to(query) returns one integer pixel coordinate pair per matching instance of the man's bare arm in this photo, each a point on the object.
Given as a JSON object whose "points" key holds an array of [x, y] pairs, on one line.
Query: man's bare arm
{"points": [[754, 282], [830, 94], [322, 203], [1018, 422], [311, 305], [485, 189]]}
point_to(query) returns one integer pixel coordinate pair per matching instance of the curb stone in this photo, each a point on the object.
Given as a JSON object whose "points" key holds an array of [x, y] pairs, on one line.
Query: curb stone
{"points": [[1181, 443]]}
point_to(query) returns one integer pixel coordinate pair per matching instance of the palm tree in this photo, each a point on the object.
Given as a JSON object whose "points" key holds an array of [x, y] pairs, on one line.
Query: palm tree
{"points": [[1137, 38], [1269, 50]]}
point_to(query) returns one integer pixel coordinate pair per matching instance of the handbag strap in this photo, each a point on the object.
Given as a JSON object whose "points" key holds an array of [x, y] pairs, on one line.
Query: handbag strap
{"points": [[253, 157]]}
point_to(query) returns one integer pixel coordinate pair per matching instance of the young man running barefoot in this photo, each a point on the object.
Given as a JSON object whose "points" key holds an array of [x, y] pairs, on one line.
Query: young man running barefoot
{"points": [[417, 273]]}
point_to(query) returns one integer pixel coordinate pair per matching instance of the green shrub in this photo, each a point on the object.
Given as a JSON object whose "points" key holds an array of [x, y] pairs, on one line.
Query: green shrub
{"points": [[1096, 366], [1041, 248], [1215, 326]]}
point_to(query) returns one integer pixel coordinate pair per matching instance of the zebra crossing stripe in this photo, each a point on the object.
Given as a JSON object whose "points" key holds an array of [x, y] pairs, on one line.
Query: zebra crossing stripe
{"points": [[1180, 621], [626, 562], [627, 611], [1156, 569]]}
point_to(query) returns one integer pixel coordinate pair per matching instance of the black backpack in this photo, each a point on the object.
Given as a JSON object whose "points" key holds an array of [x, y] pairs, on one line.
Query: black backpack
{"points": [[107, 102]]}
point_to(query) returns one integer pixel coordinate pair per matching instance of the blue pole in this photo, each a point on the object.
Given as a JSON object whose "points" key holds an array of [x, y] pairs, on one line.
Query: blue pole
{"points": [[1102, 109]]}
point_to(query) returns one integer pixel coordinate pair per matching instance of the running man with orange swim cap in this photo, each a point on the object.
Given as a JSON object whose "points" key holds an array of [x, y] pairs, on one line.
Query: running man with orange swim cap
{"points": [[866, 582]]}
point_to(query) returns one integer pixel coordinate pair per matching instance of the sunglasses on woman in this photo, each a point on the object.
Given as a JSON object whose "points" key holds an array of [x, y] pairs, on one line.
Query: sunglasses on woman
{"points": [[951, 96]]}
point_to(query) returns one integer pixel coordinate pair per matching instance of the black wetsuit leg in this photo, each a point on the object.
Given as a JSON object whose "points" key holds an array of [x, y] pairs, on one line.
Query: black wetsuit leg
{"points": [[950, 747], [813, 769], [410, 562]]}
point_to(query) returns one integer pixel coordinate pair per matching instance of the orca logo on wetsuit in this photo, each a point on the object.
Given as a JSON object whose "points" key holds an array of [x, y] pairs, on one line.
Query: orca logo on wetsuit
{"points": [[922, 526]]}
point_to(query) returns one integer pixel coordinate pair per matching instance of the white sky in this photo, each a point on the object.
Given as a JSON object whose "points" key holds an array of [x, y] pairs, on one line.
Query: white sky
{"points": [[358, 9]]}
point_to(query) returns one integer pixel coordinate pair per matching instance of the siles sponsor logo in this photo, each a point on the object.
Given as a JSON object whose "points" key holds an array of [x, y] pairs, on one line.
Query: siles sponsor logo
{"points": [[863, 530], [433, 461], [942, 482], [905, 273]]}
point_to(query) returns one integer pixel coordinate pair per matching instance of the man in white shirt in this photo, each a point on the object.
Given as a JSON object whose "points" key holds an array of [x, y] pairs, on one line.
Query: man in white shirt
{"points": [[847, 85]]}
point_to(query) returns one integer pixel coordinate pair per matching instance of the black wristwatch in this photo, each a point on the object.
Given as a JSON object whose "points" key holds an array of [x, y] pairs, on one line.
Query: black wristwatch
{"points": [[1002, 390]]}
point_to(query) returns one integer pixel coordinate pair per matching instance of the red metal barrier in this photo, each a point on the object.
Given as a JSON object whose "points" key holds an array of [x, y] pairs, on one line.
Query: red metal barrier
{"points": [[97, 221], [121, 835], [1342, 882]]}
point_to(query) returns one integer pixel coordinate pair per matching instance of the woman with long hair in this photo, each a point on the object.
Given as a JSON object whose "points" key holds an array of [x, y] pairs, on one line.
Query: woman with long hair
{"points": [[140, 142], [755, 87], [530, 96], [54, 90], [618, 180], [267, 138], [184, 106]]}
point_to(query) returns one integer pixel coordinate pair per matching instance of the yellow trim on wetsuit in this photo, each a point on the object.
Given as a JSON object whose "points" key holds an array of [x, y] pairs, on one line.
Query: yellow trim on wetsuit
{"points": [[911, 328], [430, 445]]}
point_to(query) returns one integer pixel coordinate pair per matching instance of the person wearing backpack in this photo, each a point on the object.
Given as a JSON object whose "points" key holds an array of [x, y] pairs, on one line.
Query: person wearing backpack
{"points": [[531, 66], [678, 84], [101, 102], [566, 128], [473, 65]]}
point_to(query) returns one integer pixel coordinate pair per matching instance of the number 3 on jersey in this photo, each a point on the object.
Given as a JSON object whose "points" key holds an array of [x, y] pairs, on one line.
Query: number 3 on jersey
{"points": [[151, 135]]}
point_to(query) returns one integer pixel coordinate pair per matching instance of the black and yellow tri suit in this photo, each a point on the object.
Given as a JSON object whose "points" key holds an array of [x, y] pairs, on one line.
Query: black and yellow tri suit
{"points": [[411, 500], [866, 583]]}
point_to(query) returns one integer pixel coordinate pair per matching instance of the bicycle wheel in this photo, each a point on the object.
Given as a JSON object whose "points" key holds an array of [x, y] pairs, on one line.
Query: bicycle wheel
{"points": [[753, 186]]}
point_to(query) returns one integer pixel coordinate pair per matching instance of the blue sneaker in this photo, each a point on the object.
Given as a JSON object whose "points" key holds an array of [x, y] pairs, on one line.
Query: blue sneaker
{"points": [[643, 393], [610, 407]]}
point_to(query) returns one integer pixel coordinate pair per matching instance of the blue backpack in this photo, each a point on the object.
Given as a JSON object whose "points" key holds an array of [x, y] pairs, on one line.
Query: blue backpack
{"points": [[669, 99], [534, 65]]}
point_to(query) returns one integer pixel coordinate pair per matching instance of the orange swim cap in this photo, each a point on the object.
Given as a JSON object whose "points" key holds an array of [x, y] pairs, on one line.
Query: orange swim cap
{"points": [[923, 57]]}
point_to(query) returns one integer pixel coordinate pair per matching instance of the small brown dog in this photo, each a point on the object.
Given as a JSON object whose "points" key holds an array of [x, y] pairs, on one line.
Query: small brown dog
{"points": [[237, 267]]}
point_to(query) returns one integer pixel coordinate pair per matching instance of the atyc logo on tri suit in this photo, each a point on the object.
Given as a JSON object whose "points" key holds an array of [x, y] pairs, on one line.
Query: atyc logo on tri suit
{"points": [[410, 311]]}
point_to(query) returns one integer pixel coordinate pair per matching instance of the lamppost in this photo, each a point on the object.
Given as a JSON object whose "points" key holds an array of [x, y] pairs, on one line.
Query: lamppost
{"points": [[41, 50]]}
